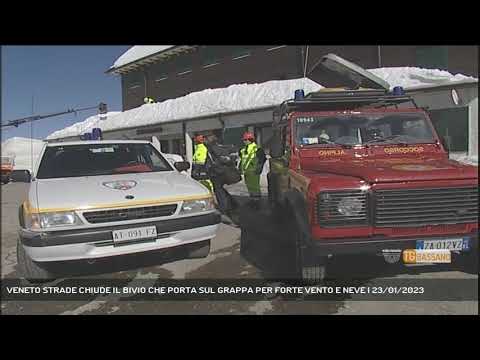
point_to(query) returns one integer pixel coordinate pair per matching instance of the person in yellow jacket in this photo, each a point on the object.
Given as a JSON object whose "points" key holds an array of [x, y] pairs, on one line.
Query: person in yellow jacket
{"points": [[200, 158], [252, 159]]}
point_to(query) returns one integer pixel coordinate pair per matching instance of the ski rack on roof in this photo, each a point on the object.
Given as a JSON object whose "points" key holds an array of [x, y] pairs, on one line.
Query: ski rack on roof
{"points": [[343, 100]]}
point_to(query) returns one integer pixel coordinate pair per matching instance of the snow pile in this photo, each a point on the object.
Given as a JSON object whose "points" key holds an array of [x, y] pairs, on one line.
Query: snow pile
{"points": [[84, 126], [207, 102], [138, 52], [21, 149], [412, 77]]}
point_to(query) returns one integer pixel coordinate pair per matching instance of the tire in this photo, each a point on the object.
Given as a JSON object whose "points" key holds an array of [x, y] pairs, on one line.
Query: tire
{"points": [[29, 269], [311, 273], [199, 251], [469, 262]]}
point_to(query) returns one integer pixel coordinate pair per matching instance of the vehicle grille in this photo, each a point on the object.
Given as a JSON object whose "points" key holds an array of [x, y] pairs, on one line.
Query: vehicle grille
{"points": [[327, 208], [417, 207], [105, 216]]}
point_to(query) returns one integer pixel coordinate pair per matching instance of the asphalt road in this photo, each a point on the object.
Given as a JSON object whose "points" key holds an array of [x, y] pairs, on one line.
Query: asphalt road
{"points": [[224, 261]]}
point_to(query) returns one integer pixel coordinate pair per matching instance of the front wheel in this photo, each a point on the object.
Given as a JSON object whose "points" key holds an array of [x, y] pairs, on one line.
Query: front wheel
{"points": [[307, 269], [29, 269]]}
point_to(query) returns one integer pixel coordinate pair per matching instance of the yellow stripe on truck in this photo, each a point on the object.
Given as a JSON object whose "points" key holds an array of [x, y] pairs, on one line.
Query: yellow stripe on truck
{"points": [[127, 204]]}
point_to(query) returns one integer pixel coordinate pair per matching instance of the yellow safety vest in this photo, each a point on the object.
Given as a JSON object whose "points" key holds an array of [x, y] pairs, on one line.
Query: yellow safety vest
{"points": [[248, 157], [200, 155]]}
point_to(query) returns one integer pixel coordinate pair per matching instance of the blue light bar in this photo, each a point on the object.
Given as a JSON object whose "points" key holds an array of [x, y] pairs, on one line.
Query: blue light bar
{"points": [[299, 94]]}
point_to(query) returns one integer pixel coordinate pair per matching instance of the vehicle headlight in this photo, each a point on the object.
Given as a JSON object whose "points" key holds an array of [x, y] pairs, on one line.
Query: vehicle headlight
{"points": [[196, 206], [67, 218], [350, 206], [342, 208]]}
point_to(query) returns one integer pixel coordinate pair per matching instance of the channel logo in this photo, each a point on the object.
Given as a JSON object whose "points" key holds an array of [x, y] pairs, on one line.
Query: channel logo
{"points": [[437, 256]]}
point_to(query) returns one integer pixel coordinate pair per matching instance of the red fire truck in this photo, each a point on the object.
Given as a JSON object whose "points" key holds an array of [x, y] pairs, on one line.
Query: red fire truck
{"points": [[362, 170]]}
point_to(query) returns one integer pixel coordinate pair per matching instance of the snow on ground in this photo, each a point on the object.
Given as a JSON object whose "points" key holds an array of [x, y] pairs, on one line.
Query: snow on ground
{"points": [[21, 149], [138, 52]]}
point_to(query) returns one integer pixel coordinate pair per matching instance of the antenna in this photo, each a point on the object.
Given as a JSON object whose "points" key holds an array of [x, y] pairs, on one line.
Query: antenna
{"points": [[31, 136]]}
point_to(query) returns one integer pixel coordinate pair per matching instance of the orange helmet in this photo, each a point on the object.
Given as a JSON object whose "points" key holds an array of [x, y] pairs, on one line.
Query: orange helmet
{"points": [[248, 136], [199, 138]]}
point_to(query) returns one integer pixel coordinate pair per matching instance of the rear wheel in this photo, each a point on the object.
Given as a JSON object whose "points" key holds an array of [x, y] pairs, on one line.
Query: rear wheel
{"points": [[31, 270]]}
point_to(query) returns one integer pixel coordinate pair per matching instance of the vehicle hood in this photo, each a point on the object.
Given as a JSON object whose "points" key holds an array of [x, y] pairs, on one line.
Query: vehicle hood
{"points": [[91, 192], [398, 170]]}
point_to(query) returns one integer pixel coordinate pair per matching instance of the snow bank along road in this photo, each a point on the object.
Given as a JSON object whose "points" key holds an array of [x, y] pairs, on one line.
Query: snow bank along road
{"points": [[223, 262]]}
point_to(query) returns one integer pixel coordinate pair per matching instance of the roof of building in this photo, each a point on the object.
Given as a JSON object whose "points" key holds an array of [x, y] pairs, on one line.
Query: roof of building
{"points": [[139, 55], [244, 97], [234, 98]]}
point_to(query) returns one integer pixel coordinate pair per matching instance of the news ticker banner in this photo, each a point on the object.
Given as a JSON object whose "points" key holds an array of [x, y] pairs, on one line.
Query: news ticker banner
{"points": [[242, 290]]}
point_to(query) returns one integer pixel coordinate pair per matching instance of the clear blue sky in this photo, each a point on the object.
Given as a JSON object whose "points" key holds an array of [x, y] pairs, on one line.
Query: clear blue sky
{"points": [[59, 78]]}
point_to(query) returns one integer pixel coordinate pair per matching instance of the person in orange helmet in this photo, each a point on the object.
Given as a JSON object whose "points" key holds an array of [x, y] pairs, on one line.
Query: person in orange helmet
{"points": [[252, 160]]}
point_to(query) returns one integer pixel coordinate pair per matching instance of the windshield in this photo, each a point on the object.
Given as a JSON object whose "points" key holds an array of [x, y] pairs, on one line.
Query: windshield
{"points": [[353, 129], [100, 159]]}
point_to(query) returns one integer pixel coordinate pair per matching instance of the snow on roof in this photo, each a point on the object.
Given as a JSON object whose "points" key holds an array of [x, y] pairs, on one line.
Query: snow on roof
{"points": [[203, 103], [82, 127], [21, 149], [413, 77], [247, 97], [138, 52]]}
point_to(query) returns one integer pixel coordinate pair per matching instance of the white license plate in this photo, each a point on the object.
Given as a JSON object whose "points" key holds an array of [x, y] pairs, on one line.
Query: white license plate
{"points": [[146, 232], [445, 244]]}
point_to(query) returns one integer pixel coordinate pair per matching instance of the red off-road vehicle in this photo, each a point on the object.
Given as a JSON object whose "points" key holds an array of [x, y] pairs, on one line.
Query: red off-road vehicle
{"points": [[363, 171]]}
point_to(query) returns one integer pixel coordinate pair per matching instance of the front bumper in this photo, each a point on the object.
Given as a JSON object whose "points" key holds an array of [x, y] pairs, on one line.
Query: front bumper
{"points": [[95, 243], [375, 245]]}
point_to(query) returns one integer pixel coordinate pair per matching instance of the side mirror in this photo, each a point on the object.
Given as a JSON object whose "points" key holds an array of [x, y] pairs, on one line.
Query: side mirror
{"points": [[182, 165], [276, 145], [21, 176]]}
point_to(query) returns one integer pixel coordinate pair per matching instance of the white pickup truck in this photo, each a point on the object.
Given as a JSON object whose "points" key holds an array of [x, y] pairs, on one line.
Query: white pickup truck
{"points": [[97, 199]]}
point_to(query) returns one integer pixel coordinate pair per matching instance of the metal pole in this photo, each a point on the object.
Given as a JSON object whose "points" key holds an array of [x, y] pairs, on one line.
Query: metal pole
{"points": [[379, 53]]}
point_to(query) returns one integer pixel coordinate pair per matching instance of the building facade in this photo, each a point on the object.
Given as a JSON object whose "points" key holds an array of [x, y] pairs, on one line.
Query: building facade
{"points": [[195, 68], [178, 70]]}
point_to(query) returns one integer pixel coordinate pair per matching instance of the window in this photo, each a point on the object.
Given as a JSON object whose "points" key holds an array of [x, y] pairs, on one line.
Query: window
{"points": [[432, 57], [161, 78], [211, 62], [452, 124], [276, 47], [134, 86], [241, 53], [185, 71], [407, 128], [100, 159]]}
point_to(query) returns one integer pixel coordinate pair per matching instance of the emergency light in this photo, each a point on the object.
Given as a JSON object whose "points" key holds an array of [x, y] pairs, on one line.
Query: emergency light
{"points": [[398, 91], [299, 94], [96, 134]]}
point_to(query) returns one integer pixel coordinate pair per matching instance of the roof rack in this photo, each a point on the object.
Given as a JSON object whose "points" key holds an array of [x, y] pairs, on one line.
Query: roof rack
{"points": [[344, 100]]}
